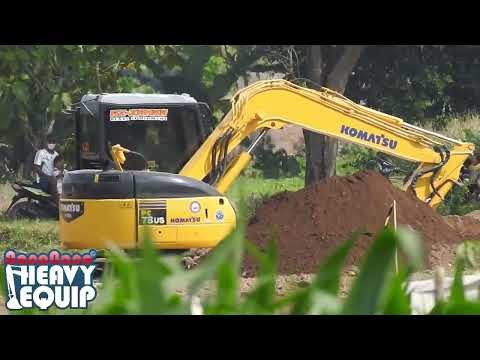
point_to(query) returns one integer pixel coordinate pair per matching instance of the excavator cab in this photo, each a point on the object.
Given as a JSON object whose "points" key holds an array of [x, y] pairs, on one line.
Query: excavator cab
{"points": [[110, 198], [166, 129]]}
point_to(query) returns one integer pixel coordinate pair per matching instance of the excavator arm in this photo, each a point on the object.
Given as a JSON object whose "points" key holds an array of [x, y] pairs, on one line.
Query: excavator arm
{"points": [[272, 104]]}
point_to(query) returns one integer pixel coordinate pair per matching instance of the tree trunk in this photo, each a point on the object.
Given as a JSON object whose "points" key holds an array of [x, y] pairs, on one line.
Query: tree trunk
{"points": [[320, 150]]}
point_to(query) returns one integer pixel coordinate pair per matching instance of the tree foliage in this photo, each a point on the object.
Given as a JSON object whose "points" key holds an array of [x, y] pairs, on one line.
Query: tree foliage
{"points": [[37, 81], [418, 83], [207, 72], [413, 82]]}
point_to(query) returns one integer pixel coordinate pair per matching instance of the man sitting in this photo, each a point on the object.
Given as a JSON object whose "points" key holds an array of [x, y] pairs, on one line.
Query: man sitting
{"points": [[43, 167]]}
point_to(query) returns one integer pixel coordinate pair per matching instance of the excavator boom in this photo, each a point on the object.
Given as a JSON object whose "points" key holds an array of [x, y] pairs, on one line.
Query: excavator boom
{"points": [[272, 104]]}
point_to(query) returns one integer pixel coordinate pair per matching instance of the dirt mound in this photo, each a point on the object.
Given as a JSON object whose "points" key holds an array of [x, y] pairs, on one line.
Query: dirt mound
{"points": [[467, 226], [474, 214], [310, 223]]}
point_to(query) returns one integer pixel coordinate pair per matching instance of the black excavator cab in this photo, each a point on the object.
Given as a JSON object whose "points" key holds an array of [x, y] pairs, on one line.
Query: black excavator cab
{"points": [[166, 129]]}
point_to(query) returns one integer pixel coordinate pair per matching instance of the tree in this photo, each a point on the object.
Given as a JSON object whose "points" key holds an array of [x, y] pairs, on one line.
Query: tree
{"points": [[37, 81], [207, 72], [320, 65], [418, 83], [412, 82], [330, 68]]}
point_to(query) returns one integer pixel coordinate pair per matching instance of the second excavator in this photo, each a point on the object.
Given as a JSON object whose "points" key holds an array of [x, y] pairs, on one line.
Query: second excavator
{"points": [[190, 210]]}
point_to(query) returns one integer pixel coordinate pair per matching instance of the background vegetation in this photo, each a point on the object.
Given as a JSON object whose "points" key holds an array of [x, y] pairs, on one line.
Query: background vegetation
{"points": [[421, 84]]}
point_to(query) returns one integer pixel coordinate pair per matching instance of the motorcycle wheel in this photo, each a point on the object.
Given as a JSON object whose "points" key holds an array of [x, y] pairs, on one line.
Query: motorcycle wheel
{"points": [[25, 210]]}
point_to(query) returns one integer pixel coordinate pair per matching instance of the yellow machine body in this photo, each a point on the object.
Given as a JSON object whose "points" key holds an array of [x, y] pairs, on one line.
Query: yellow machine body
{"points": [[100, 224], [169, 222]]}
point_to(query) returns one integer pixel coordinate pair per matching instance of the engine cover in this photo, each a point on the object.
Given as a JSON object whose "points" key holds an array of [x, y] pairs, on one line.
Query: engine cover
{"points": [[101, 209]]}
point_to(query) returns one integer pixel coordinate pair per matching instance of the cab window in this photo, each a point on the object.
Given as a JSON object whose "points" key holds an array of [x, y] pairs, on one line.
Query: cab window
{"points": [[88, 137], [166, 144]]}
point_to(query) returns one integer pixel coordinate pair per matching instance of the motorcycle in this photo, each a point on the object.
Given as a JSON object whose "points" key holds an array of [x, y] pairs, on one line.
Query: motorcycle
{"points": [[386, 168], [31, 202]]}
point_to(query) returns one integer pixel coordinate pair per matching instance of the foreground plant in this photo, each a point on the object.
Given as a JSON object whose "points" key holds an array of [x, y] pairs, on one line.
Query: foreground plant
{"points": [[153, 284]]}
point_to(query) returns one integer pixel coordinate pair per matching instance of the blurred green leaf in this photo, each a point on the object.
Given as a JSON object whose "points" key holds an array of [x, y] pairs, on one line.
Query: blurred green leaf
{"points": [[397, 301], [411, 245], [373, 275], [151, 273], [228, 290], [3, 284], [457, 293], [208, 268], [262, 298], [456, 308], [327, 279], [466, 308], [324, 303]]}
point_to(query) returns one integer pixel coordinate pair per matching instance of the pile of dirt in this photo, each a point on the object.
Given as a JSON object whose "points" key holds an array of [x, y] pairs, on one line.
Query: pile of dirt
{"points": [[474, 214], [310, 223], [468, 226]]}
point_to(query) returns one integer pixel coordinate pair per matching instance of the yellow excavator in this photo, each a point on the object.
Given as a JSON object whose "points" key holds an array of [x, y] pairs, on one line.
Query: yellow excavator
{"points": [[101, 207]]}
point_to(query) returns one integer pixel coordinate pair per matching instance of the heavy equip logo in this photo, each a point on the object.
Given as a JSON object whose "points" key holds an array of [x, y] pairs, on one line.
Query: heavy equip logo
{"points": [[365, 136], [153, 213], [71, 210], [139, 114], [41, 280]]}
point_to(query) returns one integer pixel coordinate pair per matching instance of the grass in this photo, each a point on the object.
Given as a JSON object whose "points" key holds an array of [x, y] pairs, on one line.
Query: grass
{"points": [[25, 235], [6, 194], [267, 187], [28, 236], [344, 167], [457, 125], [256, 190]]}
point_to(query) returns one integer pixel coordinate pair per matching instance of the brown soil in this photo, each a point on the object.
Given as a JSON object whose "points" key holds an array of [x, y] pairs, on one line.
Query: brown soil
{"points": [[467, 226], [310, 223], [474, 214]]}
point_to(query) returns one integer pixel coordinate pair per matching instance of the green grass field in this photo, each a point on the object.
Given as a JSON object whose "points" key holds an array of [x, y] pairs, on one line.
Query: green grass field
{"points": [[6, 194], [29, 236], [25, 235]]}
